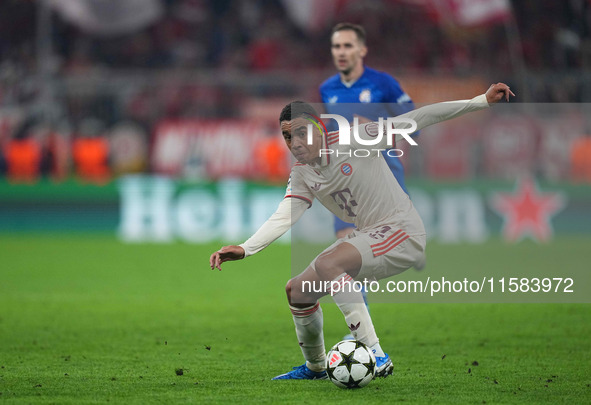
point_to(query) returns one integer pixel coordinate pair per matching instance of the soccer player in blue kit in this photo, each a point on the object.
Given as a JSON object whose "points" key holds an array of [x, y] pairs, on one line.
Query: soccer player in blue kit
{"points": [[358, 90]]}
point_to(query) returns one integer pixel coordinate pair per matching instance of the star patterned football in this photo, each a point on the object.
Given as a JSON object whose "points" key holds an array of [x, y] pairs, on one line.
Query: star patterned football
{"points": [[350, 364]]}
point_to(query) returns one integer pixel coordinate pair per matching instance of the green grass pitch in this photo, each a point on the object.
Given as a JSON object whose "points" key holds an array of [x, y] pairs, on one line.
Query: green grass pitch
{"points": [[87, 319]]}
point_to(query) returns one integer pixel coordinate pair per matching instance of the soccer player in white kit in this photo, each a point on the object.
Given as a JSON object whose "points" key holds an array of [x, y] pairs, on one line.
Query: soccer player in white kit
{"points": [[389, 236]]}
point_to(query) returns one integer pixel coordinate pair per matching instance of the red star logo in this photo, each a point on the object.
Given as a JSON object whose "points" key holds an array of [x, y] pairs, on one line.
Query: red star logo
{"points": [[527, 212]]}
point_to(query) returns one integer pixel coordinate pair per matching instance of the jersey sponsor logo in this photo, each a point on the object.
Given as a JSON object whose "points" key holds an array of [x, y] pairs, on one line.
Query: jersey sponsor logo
{"points": [[345, 201], [346, 169], [365, 96]]}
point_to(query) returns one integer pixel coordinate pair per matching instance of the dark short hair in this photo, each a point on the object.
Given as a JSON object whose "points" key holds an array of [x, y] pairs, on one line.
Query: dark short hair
{"points": [[297, 109], [345, 26]]}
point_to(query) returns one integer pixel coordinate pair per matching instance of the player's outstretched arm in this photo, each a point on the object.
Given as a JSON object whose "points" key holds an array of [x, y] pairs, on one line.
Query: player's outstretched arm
{"points": [[225, 254], [497, 92], [434, 113]]}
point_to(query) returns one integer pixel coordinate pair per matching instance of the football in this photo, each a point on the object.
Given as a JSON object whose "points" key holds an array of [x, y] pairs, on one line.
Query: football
{"points": [[350, 364]]}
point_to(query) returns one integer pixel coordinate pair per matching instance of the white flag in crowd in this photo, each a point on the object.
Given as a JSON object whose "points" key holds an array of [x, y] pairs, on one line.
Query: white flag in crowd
{"points": [[466, 13], [108, 17]]}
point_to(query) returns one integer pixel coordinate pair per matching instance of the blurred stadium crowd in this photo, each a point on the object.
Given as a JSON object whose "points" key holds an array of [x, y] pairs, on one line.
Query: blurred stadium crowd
{"points": [[93, 101]]}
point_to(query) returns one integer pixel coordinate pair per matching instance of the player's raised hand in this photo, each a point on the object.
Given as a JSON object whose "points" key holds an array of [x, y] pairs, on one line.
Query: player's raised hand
{"points": [[225, 254], [496, 92]]}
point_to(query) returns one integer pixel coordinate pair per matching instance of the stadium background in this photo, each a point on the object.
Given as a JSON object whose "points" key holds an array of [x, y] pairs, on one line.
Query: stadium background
{"points": [[189, 90], [138, 135]]}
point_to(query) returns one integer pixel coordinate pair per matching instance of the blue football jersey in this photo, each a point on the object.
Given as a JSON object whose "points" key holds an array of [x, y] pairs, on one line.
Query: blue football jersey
{"points": [[375, 94]]}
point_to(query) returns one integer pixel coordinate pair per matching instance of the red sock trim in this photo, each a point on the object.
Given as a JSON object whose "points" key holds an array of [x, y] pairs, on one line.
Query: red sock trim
{"points": [[341, 281], [303, 312]]}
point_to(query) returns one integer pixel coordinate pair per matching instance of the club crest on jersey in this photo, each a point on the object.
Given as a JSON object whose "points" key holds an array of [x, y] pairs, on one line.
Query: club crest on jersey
{"points": [[346, 169], [365, 96]]}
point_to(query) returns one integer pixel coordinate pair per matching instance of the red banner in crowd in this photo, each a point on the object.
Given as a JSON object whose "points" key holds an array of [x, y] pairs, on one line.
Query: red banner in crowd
{"points": [[493, 145], [213, 149]]}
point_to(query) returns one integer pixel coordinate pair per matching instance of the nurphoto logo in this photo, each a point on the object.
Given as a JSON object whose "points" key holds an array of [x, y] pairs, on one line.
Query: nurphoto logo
{"points": [[375, 133]]}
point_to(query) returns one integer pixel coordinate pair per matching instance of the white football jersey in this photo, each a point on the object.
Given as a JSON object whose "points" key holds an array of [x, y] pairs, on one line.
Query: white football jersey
{"points": [[359, 190]]}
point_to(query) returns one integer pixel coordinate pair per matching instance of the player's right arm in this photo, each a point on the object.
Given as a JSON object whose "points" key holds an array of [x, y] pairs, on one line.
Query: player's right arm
{"points": [[288, 213]]}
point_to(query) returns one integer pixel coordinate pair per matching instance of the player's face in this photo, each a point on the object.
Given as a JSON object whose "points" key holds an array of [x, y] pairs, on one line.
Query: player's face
{"points": [[295, 134], [347, 51]]}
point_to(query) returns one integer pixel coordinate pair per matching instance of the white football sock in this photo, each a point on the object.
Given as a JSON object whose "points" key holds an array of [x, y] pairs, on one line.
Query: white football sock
{"points": [[308, 324], [351, 304], [377, 350]]}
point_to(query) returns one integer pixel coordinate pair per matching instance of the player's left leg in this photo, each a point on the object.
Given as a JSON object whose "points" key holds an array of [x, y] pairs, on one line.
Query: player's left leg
{"points": [[308, 321], [337, 266], [342, 264], [303, 292], [342, 230], [385, 252]]}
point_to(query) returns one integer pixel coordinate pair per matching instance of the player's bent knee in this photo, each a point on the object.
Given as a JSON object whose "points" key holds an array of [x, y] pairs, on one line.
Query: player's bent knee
{"points": [[296, 296], [288, 290]]}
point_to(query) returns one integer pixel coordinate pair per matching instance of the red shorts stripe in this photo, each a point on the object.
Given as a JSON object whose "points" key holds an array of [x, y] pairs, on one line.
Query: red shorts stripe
{"points": [[388, 243], [384, 242], [341, 283], [392, 245]]}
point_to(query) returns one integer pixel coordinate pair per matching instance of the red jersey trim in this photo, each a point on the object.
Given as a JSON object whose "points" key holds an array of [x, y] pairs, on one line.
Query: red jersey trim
{"points": [[300, 197], [332, 138], [326, 147]]}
